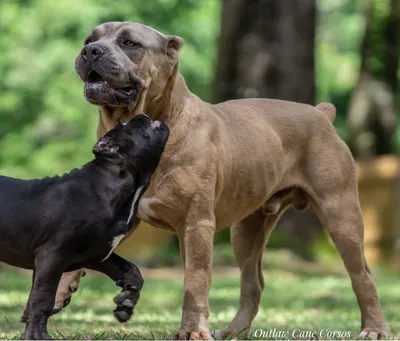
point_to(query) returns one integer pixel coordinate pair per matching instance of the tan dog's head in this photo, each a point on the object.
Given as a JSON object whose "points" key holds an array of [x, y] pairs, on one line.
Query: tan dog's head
{"points": [[122, 61]]}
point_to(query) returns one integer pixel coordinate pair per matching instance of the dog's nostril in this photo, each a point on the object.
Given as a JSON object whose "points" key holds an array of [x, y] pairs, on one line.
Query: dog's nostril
{"points": [[84, 54], [91, 52]]}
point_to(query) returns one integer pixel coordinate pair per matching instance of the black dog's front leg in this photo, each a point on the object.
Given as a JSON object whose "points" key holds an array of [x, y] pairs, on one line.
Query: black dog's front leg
{"points": [[24, 317], [125, 275], [47, 274]]}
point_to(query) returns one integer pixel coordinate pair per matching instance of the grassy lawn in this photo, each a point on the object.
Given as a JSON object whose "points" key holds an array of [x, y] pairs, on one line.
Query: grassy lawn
{"points": [[293, 299]]}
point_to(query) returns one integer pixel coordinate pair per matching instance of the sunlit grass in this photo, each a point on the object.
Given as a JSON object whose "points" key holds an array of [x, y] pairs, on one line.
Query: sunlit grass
{"points": [[292, 300]]}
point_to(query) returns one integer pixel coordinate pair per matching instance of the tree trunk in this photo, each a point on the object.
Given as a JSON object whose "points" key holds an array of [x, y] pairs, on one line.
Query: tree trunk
{"points": [[266, 49]]}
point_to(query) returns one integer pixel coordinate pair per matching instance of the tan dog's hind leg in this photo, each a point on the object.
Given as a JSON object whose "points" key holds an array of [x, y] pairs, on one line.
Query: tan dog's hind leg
{"points": [[249, 238], [335, 198], [197, 259], [344, 224]]}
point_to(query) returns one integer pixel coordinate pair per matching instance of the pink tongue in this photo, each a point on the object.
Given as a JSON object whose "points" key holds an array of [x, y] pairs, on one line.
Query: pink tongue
{"points": [[155, 124]]}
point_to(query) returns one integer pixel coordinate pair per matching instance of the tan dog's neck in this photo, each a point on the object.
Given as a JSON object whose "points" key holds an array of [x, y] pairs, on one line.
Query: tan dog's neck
{"points": [[166, 106]]}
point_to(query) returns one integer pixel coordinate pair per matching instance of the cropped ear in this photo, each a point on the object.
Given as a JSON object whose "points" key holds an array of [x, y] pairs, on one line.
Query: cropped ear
{"points": [[174, 44], [105, 146]]}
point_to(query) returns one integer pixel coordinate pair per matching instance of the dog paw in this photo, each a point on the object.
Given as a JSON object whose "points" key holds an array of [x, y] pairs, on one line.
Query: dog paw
{"points": [[374, 333], [368, 335], [223, 334], [125, 302], [34, 334], [197, 335], [231, 334]]}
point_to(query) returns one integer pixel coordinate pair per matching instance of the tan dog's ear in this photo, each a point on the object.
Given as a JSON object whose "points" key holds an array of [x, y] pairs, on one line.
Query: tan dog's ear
{"points": [[174, 43]]}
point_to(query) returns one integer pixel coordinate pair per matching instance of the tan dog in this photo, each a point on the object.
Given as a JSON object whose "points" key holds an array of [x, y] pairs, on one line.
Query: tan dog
{"points": [[239, 163]]}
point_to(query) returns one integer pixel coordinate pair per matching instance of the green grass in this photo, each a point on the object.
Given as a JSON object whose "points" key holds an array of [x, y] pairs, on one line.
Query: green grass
{"points": [[293, 299]]}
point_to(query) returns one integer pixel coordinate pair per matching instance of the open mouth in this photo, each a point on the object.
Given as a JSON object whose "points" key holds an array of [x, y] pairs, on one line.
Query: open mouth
{"points": [[95, 78], [98, 89]]}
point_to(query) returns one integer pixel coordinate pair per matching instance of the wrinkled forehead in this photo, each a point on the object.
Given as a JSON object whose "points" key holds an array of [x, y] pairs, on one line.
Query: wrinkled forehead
{"points": [[127, 30]]}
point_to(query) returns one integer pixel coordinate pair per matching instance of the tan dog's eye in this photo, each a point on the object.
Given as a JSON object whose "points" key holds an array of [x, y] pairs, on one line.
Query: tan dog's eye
{"points": [[130, 43]]}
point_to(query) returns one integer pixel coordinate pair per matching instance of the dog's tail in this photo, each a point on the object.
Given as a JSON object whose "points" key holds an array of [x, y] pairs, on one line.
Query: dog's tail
{"points": [[328, 109]]}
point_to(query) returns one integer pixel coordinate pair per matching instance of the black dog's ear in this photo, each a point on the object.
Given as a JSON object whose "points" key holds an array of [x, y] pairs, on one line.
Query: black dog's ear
{"points": [[105, 146], [134, 199]]}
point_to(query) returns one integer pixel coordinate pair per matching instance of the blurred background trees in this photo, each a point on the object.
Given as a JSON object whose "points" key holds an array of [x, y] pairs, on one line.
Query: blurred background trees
{"points": [[266, 49], [342, 51], [46, 125], [372, 118]]}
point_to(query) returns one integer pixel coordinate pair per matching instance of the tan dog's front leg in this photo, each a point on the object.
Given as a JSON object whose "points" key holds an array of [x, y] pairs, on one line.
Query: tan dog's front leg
{"points": [[197, 242], [66, 287]]}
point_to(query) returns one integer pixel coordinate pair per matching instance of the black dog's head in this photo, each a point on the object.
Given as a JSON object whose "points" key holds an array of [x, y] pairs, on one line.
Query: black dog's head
{"points": [[138, 144]]}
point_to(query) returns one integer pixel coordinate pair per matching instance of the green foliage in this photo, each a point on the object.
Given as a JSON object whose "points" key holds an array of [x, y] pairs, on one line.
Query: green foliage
{"points": [[377, 55], [339, 34], [47, 126]]}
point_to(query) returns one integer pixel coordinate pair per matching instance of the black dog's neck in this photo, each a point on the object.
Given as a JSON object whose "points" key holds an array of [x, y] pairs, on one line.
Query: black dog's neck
{"points": [[113, 165], [119, 179]]}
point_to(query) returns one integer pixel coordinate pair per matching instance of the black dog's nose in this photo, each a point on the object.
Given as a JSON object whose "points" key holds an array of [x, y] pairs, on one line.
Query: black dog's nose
{"points": [[91, 52]]}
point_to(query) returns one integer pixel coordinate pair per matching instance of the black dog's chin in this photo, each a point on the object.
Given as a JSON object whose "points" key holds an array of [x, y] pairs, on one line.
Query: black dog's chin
{"points": [[101, 93]]}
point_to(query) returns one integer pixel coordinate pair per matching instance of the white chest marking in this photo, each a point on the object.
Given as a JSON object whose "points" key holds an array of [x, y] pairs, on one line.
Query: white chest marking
{"points": [[115, 242], [135, 199]]}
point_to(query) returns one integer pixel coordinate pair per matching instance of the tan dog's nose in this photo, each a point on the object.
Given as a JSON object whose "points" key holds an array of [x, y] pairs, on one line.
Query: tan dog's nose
{"points": [[91, 52]]}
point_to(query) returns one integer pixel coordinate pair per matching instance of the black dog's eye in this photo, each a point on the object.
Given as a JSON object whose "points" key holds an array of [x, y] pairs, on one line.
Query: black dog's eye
{"points": [[146, 136], [130, 43], [88, 41]]}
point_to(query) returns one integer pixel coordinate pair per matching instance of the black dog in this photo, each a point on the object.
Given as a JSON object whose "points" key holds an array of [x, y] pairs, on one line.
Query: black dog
{"points": [[60, 224]]}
